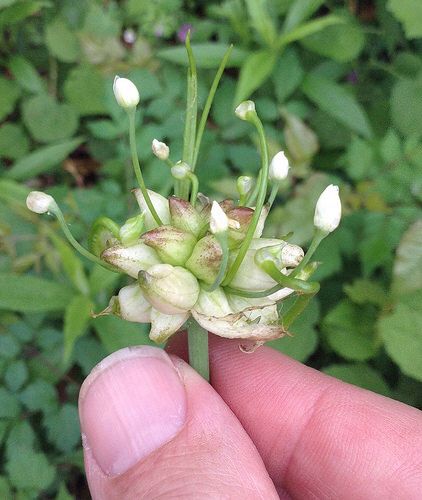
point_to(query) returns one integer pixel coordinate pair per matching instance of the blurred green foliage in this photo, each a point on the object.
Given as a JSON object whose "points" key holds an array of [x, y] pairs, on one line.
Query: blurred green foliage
{"points": [[339, 88]]}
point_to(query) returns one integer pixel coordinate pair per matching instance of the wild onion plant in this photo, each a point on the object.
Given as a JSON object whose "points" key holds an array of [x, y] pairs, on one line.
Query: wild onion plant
{"points": [[197, 263]]}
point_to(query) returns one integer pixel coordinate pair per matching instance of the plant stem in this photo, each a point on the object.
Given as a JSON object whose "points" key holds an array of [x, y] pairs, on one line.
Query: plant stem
{"points": [[273, 194], [316, 240], [295, 309], [251, 294], [137, 166], [298, 285], [195, 188], [198, 349], [207, 107], [262, 192]]}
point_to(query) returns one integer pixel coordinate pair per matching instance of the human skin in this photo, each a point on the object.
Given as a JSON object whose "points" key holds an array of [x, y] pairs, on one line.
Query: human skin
{"points": [[266, 427]]}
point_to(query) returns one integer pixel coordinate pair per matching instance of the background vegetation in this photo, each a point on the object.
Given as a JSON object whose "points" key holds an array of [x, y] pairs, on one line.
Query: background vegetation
{"points": [[338, 85]]}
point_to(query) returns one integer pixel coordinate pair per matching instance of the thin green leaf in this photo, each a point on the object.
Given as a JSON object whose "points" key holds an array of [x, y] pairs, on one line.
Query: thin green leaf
{"points": [[261, 20], [76, 320], [308, 29], [300, 11]]}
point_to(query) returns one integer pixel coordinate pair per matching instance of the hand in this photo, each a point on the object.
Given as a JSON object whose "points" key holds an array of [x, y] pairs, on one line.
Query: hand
{"points": [[268, 427]]}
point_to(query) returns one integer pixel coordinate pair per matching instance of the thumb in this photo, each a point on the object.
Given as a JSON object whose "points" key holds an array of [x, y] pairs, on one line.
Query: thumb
{"points": [[153, 428]]}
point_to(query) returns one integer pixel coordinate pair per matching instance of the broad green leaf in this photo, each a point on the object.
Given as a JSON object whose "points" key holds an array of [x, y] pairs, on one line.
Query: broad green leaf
{"points": [[21, 434], [304, 339], [363, 291], [341, 42], [402, 337], [9, 406], [28, 469], [76, 319], [9, 94], [300, 11], [63, 493], [287, 75], [361, 159], [47, 120], [32, 294], [207, 55], [9, 346], [63, 428], [13, 141], [20, 10], [13, 192], [42, 160], [308, 29], [361, 375], [26, 74], [350, 331], [261, 20], [85, 90], [40, 396], [5, 491], [406, 105], [61, 41], [102, 279], [338, 102], [15, 375], [257, 67], [407, 271], [72, 264], [116, 333], [408, 12]]}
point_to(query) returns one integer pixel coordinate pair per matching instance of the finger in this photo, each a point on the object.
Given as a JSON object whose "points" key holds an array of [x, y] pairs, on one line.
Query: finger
{"points": [[153, 428], [318, 436]]}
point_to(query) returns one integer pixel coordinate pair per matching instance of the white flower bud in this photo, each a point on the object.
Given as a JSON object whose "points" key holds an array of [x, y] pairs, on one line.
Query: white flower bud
{"points": [[133, 305], [244, 109], [125, 92], [160, 149], [328, 210], [180, 170], [219, 222], [244, 184], [132, 259], [160, 203], [39, 202], [131, 230], [170, 289], [279, 167]]}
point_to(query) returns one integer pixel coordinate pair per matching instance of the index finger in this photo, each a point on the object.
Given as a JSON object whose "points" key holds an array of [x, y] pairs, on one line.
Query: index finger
{"points": [[318, 437]]}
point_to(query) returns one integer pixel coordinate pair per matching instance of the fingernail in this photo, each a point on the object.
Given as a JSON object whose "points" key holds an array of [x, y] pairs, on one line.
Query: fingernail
{"points": [[131, 404]]}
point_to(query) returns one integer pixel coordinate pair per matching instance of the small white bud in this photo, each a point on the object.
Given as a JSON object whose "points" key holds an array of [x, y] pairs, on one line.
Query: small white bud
{"points": [[39, 202], [328, 209], [279, 167], [180, 170], [244, 109], [160, 149], [125, 92], [244, 184], [131, 230], [219, 222]]}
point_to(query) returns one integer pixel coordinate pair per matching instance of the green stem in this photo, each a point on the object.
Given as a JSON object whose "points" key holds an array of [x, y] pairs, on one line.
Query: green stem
{"points": [[273, 194], [316, 240], [254, 193], [262, 192], [253, 295], [195, 188], [76, 245], [198, 349], [222, 238], [296, 308], [137, 166], [243, 199], [207, 107], [305, 287]]}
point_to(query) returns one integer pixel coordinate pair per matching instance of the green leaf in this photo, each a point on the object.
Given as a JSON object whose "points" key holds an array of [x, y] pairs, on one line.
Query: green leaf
{"points": [[257, 67], [32, 294], [42, 160], [9, 94], [13, 141], [350, 331], [337, 102], [63, 428], [341, 42], [407, 271], [20, 10], [26, 75], [9, 346], [402, 337], [304, 339], [16, 375], [76, 319], [116, 333], [361, 160], [5, 491], [363, 291], [9, 406], [261, 21], [22, 435], [406, 105], [207, 55], [409, 12], [72, 265], [287, 75], [300, 11], [28, 469], [102, 279], [39, 396], [361, 375], [63, 493], [47, 120], [308, 29], [61, 41], [85, 90]]}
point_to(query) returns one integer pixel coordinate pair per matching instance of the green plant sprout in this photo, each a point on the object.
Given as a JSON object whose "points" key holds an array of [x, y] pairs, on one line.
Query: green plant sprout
{"points": [[198, 263]]}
